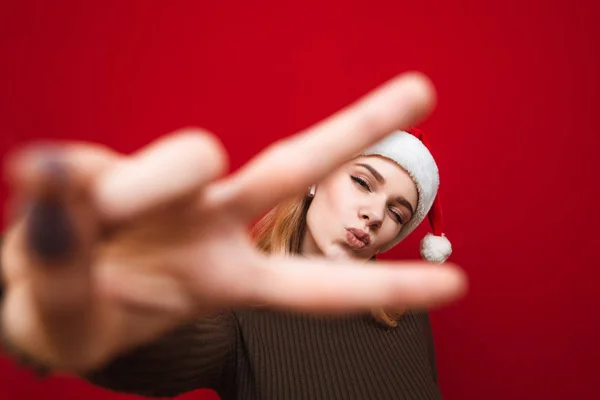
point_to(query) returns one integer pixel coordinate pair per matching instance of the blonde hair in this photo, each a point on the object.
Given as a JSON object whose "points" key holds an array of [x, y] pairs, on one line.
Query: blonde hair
{"points": [[281, 232]]}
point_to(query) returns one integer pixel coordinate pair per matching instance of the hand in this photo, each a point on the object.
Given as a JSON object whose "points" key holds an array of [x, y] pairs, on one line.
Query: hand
{"points": [[111, 251]]}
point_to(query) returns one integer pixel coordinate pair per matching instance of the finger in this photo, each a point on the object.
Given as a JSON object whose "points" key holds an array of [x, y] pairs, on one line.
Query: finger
{"points": [[323, 286], [51, 210], [290, 166], [172, 167], [57, 216], [83, 161]]}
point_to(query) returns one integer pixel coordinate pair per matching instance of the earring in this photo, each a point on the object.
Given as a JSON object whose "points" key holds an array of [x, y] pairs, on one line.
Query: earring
{"points": [[311, 191]]}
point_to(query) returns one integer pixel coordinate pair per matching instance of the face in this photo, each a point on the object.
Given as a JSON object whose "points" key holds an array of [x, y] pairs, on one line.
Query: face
{"points": [[359, 209]]}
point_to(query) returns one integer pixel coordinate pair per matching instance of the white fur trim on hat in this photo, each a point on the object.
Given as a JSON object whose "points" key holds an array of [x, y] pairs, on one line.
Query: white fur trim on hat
{"points": [[414, 157]]}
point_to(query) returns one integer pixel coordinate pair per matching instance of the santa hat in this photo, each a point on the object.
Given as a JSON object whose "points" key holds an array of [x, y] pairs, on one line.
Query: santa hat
{"points": [[410, 150]]}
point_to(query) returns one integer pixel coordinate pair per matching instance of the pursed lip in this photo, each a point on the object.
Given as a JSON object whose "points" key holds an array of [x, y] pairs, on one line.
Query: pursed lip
{"points": [[361, 235]]}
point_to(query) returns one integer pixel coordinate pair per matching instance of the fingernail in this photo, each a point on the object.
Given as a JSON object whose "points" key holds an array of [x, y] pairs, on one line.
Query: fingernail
{"points": [[50, 233], [53, 172]]}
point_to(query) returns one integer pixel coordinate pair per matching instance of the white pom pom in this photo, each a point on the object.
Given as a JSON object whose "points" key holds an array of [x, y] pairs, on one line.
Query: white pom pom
{"points": [[435, 249]]}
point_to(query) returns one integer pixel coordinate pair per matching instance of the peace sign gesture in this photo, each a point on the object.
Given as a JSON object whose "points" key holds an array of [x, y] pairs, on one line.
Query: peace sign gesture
{"points": [[112, 251]]}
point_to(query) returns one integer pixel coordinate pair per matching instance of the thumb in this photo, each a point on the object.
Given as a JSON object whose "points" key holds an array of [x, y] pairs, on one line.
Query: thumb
{"points": [[58, 231], [46, 260]]}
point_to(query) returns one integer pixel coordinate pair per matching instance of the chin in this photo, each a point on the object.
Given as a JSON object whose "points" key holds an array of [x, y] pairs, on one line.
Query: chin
{"points": [[334, 252]]}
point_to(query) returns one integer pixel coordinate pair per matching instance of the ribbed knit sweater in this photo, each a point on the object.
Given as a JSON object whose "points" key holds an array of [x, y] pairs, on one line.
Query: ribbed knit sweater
{"points": [[262, 354]]}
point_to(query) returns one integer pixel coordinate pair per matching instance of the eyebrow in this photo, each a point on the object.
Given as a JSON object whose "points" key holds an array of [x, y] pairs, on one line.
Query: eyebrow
{"points": [[400, 200], [373, 171]]}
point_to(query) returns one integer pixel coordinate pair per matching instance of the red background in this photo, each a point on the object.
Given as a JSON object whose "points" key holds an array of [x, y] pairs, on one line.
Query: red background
{"points": [[514, 134]]}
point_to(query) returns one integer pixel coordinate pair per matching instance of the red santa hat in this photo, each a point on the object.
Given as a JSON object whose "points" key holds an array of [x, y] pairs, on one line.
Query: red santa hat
{"points": [[410, 150]]}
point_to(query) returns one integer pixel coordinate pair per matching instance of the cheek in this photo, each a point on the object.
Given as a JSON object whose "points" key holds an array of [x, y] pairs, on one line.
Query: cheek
{"points": [[388, 233], [338, 198], [331, 208]]}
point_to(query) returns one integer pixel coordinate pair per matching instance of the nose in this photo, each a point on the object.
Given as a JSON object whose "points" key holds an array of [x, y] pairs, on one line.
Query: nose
{"points": [[372, 218]]}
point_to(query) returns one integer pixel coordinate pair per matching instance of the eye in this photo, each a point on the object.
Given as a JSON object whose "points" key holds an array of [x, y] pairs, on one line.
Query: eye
{"points": [[397, 216], [362, 182]]}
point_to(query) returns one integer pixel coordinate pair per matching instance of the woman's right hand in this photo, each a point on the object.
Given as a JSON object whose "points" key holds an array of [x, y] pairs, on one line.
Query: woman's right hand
{"points": [[108, 252]]}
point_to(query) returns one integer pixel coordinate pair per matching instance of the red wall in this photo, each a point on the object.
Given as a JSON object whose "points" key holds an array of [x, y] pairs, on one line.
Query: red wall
{"points": [[515, 135]]}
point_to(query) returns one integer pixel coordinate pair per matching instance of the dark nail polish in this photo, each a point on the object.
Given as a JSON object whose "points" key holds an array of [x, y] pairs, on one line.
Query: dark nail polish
{"points": [[51, 234], [54, 172]]}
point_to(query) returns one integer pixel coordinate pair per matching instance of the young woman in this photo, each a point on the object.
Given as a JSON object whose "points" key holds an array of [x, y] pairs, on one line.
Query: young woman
{"points": [[137, 272]]}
